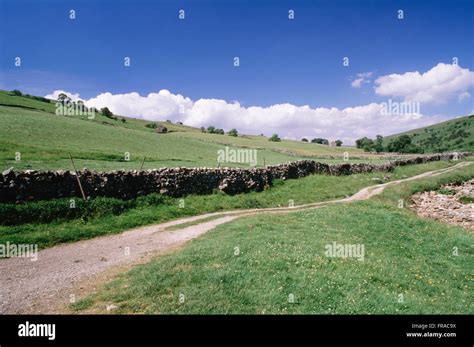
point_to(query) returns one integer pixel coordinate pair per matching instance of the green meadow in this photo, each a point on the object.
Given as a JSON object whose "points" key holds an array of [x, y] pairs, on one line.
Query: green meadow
{"points": [[44, 141], [276, 264]]}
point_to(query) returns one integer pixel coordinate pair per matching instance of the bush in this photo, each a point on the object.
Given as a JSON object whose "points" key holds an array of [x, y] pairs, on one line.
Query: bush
{"points": [[59, 209], [320, 141], [106, 112], [16, 92], [213, 130], [233, 132], [403, 144], [275, 138], [365, 143]]}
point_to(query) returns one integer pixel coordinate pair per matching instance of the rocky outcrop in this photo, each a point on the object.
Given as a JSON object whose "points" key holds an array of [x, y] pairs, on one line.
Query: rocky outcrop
{"points": [[161, 129], [452, 204], [17, 186]]}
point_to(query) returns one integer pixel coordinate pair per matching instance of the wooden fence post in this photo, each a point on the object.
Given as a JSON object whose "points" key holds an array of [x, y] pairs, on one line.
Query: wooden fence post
{"points": [[77, 177]]}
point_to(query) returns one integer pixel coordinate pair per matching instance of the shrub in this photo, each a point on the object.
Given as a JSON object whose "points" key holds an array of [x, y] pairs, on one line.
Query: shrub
{"points": [[320, 141], [213, 130], [403, 144], [233, 132], [364, 143], [106, 112], [274, 138], [60, 209]]}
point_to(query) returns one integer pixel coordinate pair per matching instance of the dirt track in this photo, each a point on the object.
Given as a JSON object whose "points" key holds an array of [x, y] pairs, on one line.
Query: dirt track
{"points": [[46, 285]]}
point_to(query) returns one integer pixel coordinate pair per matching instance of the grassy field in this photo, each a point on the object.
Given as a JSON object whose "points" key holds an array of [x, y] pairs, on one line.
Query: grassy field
{"points": [[45, 140], [455, 134], [280, 266], [47, 232]]}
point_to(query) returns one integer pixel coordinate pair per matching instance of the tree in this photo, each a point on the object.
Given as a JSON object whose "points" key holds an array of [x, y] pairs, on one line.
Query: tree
{"points": [[203, 130], [275, 138], [81, 105], [233, 132], [402, 144], [378, 144], [338, 143], [63, 98], [106, 112], [320, 141], [365, 143], [16, 92], [304, 139], [211, 129]]}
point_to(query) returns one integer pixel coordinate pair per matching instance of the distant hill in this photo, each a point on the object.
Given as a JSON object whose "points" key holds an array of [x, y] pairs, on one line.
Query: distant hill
{"points": [[452, 135], [44, 141]]}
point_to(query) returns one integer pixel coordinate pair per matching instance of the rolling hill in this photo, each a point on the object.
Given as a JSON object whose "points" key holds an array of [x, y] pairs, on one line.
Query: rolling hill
{"points": [[455, 134], [44, 140]]}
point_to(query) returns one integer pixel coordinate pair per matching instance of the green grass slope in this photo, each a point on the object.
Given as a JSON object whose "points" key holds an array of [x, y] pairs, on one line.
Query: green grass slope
{"points": [[276, 264], [45, 139], [456, 134]]}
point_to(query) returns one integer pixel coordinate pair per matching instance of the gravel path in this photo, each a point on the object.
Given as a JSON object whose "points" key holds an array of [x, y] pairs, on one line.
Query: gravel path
{"points": [[73, 270]]}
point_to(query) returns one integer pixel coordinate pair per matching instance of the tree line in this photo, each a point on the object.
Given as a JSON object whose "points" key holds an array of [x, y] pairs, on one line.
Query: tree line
{"points": [[400, 144]]}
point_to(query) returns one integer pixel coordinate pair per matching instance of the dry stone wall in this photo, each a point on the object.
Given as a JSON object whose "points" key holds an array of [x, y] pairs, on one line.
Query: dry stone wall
{"points": [[18, 186]]}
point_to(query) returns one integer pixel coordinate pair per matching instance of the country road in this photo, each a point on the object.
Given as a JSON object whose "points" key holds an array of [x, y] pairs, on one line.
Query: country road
{"points": [[70, 271]]}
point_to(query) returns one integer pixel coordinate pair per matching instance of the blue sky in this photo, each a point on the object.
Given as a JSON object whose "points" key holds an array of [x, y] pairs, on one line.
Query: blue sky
{"points": [[281, 61]]}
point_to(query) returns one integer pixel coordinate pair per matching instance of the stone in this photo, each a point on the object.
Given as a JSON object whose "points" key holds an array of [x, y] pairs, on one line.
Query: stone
{"points": [[176, 182], [447, 208]]}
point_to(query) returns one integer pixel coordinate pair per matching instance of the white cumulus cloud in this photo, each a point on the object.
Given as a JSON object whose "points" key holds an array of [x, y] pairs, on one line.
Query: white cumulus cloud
{"points": [[438, 85], [154, 106], [54, 95], [287, 120], [362, 78]]}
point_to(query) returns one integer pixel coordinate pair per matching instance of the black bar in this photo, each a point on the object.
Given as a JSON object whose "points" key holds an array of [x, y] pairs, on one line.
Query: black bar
{"points": [[241, 330]]}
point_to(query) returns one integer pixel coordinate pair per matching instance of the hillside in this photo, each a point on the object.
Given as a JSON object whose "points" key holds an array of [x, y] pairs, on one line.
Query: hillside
{"points": [[456, 134], [44, 140]]}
